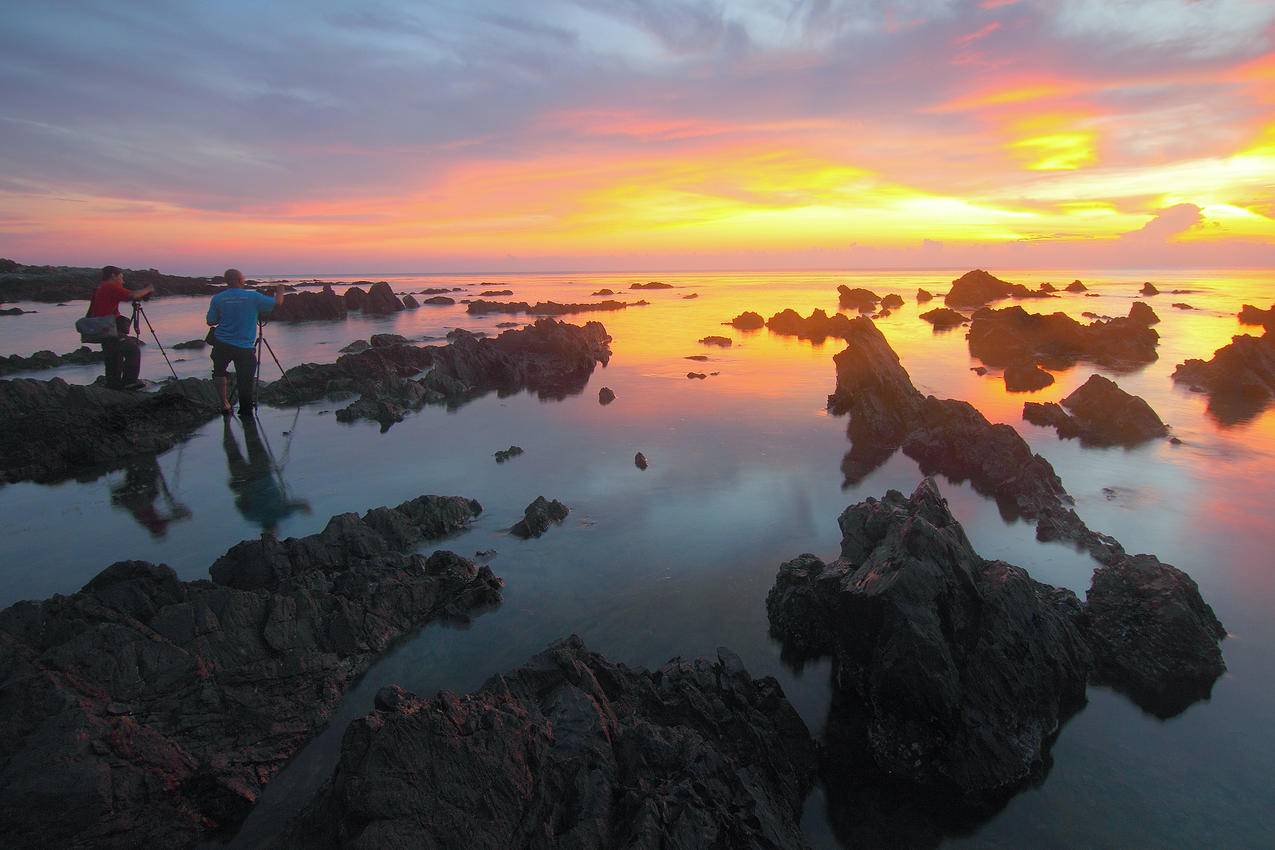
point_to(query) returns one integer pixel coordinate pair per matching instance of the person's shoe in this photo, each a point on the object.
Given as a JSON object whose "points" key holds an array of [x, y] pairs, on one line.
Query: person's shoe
{"points": [[133, 385], [245, 412], [114, 384]]}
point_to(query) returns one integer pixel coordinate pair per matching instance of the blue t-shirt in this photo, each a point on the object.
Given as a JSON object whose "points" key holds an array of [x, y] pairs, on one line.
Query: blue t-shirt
{"points": [[234, 312]]}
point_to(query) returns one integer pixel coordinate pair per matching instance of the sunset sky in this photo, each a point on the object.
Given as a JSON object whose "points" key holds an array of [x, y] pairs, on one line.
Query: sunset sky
{"points": [[580, 134]]}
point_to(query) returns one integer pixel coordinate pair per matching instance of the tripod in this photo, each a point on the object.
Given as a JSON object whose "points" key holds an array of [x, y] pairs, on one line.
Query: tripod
{"points": [[138, 310], [256, 378]]}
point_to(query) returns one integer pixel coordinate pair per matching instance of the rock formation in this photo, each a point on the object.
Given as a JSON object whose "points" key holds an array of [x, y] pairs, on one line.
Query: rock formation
{"points": [[539, 516], [601, 292], [748, 321], [573, 750], [639, 460], [892, 301], [1239, 379], [720, 341], [53, 284], [1076, 286], [495, 293], [410, 302], [605, 396], [1148, 288], [923, 295], [976, 288], [863, 300], [505, 454], [439, 301], [944, 317], [1101, 414], [1026, 378], [324, 305], [82, 356], [1057, 341], [1250, 315], [1141, 312], [818, 326], [546, 308], [148, 711], [655, 284], [381, 300]]}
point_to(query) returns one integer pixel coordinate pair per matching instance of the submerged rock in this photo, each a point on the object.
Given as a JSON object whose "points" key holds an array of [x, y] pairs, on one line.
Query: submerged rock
{"points": [[1014, 336], [748, 320], [605, 396], [538, 516], [977, 287], [505, 454], [721, 341], [148, 711], [943, 317], [573, 751], [324, 305], [863, 300], [1025, 379], [1239, 379], [82, 356]]}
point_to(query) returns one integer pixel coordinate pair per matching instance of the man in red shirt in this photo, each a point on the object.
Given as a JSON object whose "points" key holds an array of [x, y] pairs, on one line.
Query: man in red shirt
{"points": [[124, 354]]}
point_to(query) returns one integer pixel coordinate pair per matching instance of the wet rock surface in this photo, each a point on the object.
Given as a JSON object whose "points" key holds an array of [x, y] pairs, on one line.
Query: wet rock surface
{"points": [[976, 288], [573, 750], [1025, 379], [148, 711], [1239, 379], [539, 516], [1101, 414], [606, 395], [944, 317], [1014, 336], [324, 305], [82, 356], [952, 674]]}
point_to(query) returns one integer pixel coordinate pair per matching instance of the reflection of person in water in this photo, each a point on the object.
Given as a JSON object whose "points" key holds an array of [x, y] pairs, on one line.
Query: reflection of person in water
{"points": [[259, 495], [142, 487]]}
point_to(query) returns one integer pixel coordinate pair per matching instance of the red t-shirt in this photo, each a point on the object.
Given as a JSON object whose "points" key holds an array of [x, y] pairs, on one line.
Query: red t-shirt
{"points": [[107, 298]]}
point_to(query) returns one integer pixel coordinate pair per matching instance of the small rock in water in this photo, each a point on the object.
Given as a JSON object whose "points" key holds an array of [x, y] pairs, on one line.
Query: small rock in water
{"points": [[696, 375], [1183, 306], [923, 295], [979, 370], [190, 344], [722, 341], [1026, 378], [692, 295], [606, 395], [747, 320], [892, 301], [1148, 288], [639, 460], [700, 357], [538, 516], [1075, 286], [506, 454]]}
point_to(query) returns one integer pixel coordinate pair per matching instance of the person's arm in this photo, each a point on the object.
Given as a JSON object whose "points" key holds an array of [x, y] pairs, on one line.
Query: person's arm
{"points": [[139, 294], [266, 303], [214, 315]]}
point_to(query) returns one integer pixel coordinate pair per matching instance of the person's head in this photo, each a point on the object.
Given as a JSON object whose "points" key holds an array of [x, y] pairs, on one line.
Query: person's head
{"points": [[112, 273], [234, 278]]}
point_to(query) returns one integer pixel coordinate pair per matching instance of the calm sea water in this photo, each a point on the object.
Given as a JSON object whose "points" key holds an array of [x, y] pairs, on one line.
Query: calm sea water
{"points": [[745, 473]]}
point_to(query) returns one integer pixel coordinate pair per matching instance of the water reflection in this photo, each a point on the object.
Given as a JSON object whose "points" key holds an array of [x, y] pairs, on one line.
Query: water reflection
{"points": [[145, 494], [261, 494]]}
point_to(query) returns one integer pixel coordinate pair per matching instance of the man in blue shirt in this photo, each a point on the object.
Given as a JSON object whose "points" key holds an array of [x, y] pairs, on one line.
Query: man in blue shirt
{"points": [[233, 314]]}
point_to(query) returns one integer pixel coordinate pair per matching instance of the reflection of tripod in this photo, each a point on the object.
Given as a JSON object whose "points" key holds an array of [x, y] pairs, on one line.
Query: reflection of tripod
{"points": [[256, 378], [140, 312]]}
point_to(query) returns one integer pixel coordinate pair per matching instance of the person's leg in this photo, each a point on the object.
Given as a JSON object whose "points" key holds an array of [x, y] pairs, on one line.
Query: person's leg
{"points": [[245, 376], [220, 358], [131, 355], [114, 362]]}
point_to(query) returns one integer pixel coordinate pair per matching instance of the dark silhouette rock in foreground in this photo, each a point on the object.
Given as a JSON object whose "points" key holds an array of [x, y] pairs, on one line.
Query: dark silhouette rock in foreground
{"points": [[324, 305], [82, 356], [863, 300], [1141, 312], [1239, 379], [1026, 378], [505, 454], [1250, 315], [639, 460], [952, 675], [818, 326], [1057, 341], [606, 395], [1101, 414], [748, 321], [977, 287], [573, 750], [51, 429], [943, 317], [144, 711], [539, 516]]}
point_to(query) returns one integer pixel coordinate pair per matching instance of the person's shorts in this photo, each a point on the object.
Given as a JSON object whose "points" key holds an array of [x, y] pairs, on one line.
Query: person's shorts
{"points": [[245, 359]]}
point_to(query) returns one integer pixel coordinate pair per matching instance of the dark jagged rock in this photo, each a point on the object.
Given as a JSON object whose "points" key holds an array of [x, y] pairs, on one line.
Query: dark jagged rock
{"points": [[1050, 415], [1026, 378], [538, 516], [720, 341], [439, 301], [943, 317], [605, 396], [977, 287], [748, 321], [655, 284], [1141, 312], [144, 711], [191, 345], [82, 356], [52, 284], [964, 669], [1250, 315], [923, 295], [700, 375], [1104, 414], [1076, 286], [817, 326], [381, 300], [387, 340], [952, 674], [15, 311], [410, 302], [573, 751], [948, 436], [602, 292], [639, 460], [546, 308], [505, 454], [1239, 379], [1179, 305], [892, 301], [356, 346], [324, 305], [881, 314], [1149, 288], [1057, 341], [1153, 635], [495, 293], [51, 429], [863, 300], [1049, 287], [551, 358], [355, 297]]}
